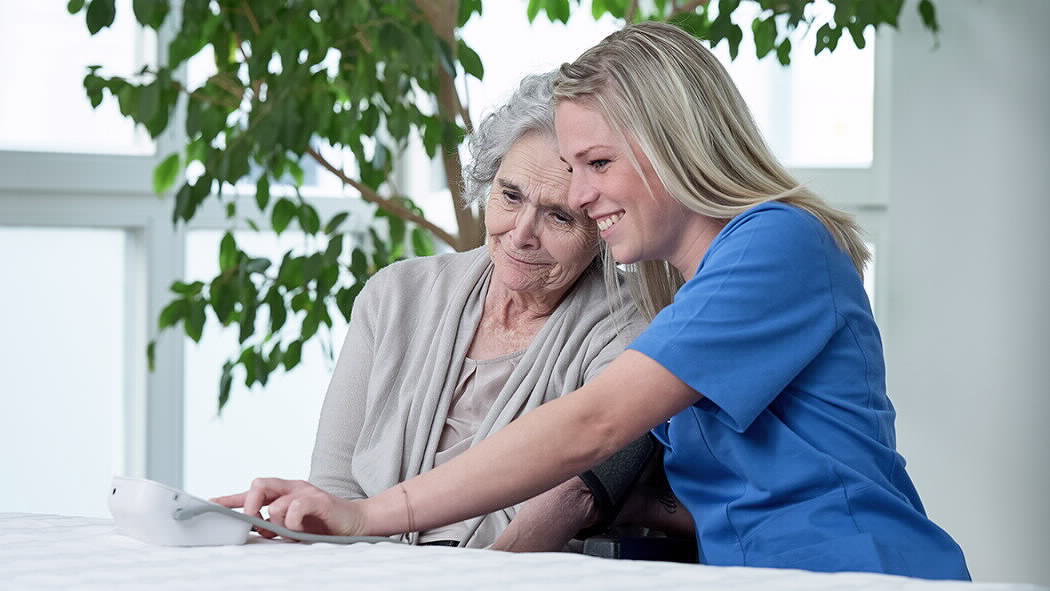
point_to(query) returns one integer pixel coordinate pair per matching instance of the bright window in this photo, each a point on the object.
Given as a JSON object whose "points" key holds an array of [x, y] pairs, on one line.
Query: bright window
{"points": [[62, 358], [43, 106], [263, 431]]}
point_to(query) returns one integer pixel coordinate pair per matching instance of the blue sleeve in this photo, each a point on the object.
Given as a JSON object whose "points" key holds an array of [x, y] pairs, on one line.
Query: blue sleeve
{"points": [[756, 313]]}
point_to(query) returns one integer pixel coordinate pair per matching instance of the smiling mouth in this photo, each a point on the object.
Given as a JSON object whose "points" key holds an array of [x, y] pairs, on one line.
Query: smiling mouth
{"points": [[604, 223]]}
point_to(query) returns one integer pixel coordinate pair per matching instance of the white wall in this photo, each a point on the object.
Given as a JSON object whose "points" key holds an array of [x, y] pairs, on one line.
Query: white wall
{"points": [[969, 314]]}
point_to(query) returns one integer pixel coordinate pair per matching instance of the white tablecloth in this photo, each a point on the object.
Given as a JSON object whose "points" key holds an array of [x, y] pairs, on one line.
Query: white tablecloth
{"points": [[55, 552]]}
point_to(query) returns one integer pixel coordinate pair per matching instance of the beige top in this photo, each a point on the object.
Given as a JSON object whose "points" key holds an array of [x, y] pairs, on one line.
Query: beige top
{"points": [[479, 386]]}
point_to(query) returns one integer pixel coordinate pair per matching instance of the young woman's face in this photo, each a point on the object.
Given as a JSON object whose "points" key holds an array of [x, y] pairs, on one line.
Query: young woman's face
{"points": [[635, 214]]}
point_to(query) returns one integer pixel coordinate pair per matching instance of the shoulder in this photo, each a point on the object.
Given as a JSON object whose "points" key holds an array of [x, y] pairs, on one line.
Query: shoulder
{"points": [[422, 270], [772, 234], [416, 282], [774, 220], [607, 311]]}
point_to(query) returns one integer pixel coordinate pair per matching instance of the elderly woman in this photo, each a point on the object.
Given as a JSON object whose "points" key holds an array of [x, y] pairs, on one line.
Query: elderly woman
{"points": [[443, 351]]}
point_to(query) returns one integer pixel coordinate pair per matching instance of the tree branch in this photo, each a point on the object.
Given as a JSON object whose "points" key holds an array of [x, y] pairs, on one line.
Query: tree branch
{"points": [[251, 17], [632, 9], [390, 205], [441, 14]]}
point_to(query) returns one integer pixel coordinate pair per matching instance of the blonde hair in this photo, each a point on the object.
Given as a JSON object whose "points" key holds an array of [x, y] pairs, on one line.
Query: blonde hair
{"points": [[659, 85]]}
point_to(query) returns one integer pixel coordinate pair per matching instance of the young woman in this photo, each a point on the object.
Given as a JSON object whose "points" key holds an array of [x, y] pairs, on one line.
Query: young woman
{"points": [[764, 377]]}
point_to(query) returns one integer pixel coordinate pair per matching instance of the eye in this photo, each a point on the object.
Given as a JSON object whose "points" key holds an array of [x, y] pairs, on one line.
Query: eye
{"points": [[598, 163], [562, 218], [569, 170], [511, 197]]}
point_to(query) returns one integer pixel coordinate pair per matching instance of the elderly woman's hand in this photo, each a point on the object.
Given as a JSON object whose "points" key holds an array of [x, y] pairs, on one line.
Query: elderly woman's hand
{"points": [[299, 506]]}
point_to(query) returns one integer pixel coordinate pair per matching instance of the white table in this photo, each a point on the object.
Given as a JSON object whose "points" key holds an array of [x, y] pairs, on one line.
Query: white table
{"points": [[56, 552]]}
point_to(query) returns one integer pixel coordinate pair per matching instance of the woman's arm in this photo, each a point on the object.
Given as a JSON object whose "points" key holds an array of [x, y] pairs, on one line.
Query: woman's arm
{"points": [[343, 412], [532, 454]]}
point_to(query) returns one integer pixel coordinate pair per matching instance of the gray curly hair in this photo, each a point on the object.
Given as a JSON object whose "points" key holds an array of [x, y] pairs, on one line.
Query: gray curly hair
{"points": [[530, 109]]}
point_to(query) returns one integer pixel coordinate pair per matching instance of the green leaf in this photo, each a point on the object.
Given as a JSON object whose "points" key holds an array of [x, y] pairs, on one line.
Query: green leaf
{"points": [[561, 8], [735, 36], [333, 250], [380, 254], [248, 309], [422, 244], [194, 322], [197, 150], [100, 14], [471, 61], [292, 354], [309, 221], [345, 297], [262, 192], [598, 8], [297, 173], [165, 174], [183, 204], [359, 264], [93, 86], [333, 224], [228, 253], [75, 6], [857, 32], [187, 288], [827, 38], [534, 9], [282, 214], [312, 266], [151, 355], [291, 272], [329, 277], [247, 359], [765, 31], [224, 385], [235, 159], [278, 312], [312, 321], [929, 15], [223, 294], [150, 13], [172, 313], [397, 237], [784, 52]]}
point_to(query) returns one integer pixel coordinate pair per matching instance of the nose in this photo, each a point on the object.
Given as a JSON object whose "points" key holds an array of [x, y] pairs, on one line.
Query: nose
{"points": [[525, 234], [581, 193]]}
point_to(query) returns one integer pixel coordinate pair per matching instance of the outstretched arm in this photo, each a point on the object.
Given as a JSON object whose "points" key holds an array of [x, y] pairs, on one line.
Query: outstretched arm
{"points": [[534, 453]]}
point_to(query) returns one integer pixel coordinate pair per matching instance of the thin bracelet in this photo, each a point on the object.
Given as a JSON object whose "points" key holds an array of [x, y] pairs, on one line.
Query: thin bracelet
{"points": [[408, 508]]}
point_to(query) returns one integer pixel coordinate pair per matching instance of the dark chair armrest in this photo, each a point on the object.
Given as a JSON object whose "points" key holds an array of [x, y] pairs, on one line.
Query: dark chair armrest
{"points": [[667, 549]]}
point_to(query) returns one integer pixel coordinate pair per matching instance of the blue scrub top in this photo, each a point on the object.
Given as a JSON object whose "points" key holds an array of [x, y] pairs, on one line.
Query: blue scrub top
{"points": [[789, 459]]}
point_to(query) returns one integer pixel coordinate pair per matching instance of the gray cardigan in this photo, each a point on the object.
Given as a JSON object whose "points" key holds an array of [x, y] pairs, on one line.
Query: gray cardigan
{"points": [[409, 333]]}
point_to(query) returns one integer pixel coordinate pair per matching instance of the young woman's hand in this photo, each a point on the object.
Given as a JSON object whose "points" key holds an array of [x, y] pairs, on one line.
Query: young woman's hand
{"points": [[300, 506]]}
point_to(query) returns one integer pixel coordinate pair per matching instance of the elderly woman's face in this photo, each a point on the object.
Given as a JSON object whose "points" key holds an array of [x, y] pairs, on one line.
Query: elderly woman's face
{"points": [[537, 242]]}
